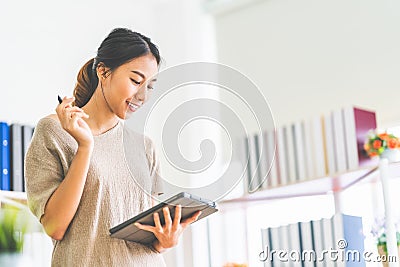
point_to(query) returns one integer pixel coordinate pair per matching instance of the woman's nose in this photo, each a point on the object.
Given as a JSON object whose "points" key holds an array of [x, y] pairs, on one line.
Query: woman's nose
{"points": [[141, 94]]}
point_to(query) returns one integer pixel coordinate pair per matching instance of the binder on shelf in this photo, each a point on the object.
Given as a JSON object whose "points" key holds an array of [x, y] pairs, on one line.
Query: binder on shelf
{"points": [[5, 156], [266, 247], [295, 242], [267, 183], [290, 156], [339, 142], [318, 147], [329, 145], [272, 161], [253, 163], [299, 151], [242, 148], [357, 123], [16, 152], [27, 132], [348, 236], [275, 245], [284, 242], [308, 150], [327, 229], [247, 165], [281, 156], [307, 246], [261, 155], [318, 241]]}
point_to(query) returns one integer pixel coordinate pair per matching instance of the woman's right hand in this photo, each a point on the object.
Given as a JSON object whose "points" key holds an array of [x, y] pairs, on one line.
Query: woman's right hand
{"points": [[71, 119]]}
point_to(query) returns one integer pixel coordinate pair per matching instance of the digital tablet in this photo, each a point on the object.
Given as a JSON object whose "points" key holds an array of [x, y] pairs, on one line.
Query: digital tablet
{"points": [[190, 204]]}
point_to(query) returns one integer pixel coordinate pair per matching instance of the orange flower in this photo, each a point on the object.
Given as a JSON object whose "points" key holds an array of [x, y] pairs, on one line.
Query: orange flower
{"points": [[383, 136], [392, 143], [366, 146], [373, 154], [377, 144]]}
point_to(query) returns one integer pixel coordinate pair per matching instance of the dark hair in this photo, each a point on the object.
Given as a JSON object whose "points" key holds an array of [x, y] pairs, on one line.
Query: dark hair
{"points": [[119, 47]]}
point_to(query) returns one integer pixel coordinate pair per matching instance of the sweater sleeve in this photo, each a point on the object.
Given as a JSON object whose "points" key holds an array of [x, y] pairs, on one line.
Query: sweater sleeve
{"points": [[155, 169], [44, 166]]}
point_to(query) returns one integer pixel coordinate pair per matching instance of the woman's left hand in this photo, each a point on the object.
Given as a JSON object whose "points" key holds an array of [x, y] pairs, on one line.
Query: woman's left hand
{"points": [[168, 234]]}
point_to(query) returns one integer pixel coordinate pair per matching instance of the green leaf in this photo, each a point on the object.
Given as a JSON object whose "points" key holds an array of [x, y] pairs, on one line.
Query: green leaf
{"points": [[13, 226]]}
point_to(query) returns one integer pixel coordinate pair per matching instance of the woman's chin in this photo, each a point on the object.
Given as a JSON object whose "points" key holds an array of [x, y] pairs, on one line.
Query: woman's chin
{"points": [[126, 115]]}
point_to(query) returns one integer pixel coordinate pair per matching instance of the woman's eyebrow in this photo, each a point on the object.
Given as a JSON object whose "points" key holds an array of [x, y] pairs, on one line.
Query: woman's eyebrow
{"points": [[142, 75], [139, 73]]}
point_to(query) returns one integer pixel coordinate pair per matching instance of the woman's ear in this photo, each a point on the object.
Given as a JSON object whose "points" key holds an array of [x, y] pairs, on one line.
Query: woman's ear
{"points": [[102, 71]]}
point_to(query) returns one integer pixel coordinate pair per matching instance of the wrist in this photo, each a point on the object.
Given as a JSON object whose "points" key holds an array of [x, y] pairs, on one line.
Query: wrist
{"points": [[156, 246], [85, 148]]}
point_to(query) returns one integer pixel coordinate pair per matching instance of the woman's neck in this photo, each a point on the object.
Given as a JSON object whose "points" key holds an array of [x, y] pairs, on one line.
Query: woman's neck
{"points": [[101, 119]]}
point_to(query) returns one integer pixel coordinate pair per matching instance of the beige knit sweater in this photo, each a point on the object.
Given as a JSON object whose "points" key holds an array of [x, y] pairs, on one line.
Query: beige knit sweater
{"points": [[111, 194]]}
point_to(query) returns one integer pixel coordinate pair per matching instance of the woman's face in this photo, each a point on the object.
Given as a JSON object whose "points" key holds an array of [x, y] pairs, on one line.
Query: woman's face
{"points": [[128, 86]]}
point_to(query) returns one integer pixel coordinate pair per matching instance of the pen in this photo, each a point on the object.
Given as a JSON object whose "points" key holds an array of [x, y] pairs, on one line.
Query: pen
{"points": [[59, 99]]}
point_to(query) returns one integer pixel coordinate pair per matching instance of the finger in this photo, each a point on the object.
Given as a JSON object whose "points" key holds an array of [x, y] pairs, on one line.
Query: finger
{"points": [[83, 124], [157, 222], [74, 109], [80, 113], [68, 99], [74, 118], [145, 227], [196, 215], [167, 218], [191, 219], [67, 102], [77, 115], [178, 215]]}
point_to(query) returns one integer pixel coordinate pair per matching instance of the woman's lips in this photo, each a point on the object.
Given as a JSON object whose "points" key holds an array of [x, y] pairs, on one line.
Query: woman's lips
{"points": [[133, 107]]}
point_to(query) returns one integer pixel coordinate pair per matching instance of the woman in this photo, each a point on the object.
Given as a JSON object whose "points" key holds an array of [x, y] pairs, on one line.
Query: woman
{"points": [[77, 180]]}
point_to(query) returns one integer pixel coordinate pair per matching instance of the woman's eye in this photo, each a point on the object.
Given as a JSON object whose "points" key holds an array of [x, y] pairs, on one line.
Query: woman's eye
{"points": [[150, 87], [134, 81]]}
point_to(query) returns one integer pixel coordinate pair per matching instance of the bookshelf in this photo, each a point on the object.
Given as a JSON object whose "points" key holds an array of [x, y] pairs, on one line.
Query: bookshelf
{"points": [[318, 186], [13, 198], [14, 195], [322, 186], [312, 187], [15, 139]]}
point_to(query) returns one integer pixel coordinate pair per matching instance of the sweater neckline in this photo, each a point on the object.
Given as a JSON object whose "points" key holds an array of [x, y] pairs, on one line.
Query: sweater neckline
{"points": [[109, 131], [106, 133]]}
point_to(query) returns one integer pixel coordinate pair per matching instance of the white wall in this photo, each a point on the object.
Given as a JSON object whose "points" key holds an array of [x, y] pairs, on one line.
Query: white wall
{"points": [[312, 56], [44, 44], [186, 35]]}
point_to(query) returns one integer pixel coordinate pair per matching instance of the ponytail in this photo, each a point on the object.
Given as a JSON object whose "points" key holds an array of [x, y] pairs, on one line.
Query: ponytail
{"points": [[86, 84]]}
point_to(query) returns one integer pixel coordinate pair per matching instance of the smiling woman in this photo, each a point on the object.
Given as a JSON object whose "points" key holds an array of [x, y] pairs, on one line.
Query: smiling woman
{"points": [[77, 179]]}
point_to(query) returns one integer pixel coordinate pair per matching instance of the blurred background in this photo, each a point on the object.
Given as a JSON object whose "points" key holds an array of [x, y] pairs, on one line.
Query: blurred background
{"points": [[307, 57]]}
